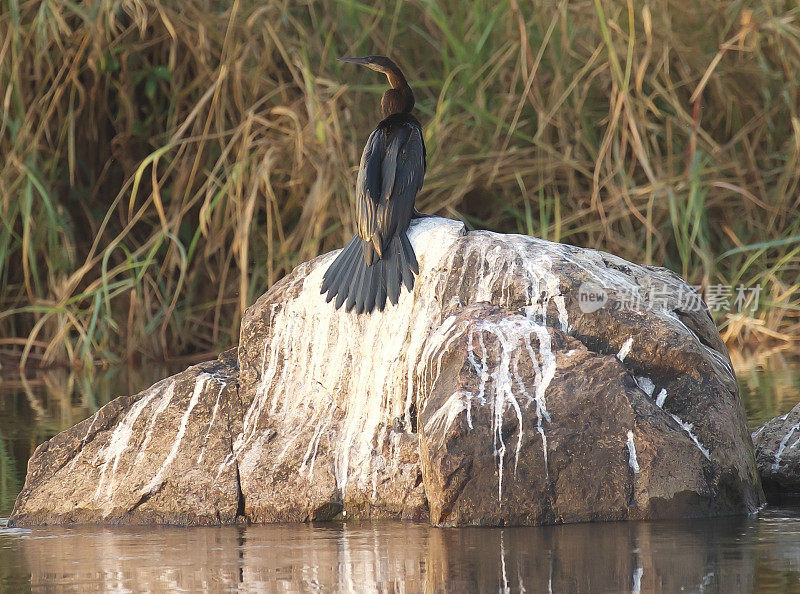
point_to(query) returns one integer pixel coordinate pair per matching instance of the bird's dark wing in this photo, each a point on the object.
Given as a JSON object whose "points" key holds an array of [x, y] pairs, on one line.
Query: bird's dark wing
{"points": [[408, 165], [368, 185], [391, 173]]}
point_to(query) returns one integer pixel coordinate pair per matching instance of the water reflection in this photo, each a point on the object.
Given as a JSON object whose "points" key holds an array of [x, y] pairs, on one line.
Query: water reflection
{"points": [[734, 555], [769, 382], [36, 408]]}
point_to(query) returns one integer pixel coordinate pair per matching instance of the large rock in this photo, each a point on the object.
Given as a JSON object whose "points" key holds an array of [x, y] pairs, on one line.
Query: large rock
{"points": [[523, 382], [777, 444]]}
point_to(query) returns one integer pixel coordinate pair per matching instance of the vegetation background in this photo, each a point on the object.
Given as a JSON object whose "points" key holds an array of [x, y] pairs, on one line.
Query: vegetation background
{"points": [[163, 162]]}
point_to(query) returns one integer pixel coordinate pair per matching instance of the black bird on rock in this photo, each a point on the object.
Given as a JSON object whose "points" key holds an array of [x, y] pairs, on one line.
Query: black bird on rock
{"points": [[380, 257]]}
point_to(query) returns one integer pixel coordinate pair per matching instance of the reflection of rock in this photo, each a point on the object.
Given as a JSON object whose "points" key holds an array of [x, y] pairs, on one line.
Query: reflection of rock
{"points": [[9, 485], [617, 557], [365, 558], [393, 556], [778, 536], [777, 444], [491, 395], [14, 574]]}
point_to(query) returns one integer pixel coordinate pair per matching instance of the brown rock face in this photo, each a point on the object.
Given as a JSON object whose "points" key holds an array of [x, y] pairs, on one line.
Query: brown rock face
{"points": [[162, 456], [778, 454], [497, 449], [523, 382]]}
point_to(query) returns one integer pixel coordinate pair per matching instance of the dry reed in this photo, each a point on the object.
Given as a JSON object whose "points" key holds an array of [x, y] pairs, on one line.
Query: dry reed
{"points": [[163, 163]]}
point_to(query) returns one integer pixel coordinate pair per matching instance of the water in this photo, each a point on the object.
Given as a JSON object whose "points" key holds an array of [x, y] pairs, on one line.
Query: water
{"points": [[769, 383], [739, 554], [728, 555]]}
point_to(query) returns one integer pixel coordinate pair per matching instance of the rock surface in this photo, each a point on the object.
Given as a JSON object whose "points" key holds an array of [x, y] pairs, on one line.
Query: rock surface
{"points": [[777, 444], [156, 457], [523, 382]]}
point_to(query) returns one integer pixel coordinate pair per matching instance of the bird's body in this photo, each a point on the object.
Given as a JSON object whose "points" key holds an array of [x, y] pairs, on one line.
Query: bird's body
{"points": [[372, 267]]}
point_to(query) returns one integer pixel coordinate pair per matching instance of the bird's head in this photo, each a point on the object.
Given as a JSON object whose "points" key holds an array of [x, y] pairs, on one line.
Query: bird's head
{"points": [[380, 64]]}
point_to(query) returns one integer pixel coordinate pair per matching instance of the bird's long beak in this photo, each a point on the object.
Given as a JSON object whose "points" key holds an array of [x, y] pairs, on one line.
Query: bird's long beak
{"points": [[355, 60]]}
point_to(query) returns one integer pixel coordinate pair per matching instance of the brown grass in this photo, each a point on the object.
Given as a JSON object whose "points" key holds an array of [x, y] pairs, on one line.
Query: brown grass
{"points": [[163, 162]]}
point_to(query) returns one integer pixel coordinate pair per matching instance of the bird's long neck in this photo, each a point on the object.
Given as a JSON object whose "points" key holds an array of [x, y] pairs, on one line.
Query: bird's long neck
{"points": [[396, 78], [398, 99]]}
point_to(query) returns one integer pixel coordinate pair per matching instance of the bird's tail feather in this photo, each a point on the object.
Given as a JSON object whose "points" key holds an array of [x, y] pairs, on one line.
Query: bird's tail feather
{"points": [[365, 288]]}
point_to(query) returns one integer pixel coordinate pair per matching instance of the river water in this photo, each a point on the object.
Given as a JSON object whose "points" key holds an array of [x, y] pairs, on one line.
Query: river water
{"points": [[737, 554]]}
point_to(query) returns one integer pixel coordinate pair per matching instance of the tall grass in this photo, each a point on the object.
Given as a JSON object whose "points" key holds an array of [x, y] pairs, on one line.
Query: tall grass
{"points": [[164, 162]]}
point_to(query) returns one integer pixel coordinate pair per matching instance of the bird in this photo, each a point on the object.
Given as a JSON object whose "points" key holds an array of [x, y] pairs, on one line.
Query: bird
{"points": [[380, 257]]}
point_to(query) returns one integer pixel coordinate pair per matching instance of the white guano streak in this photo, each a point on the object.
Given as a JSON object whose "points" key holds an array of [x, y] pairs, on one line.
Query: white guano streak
{"points": [[513, 333], [164, 402], [648, 387], [118, 442], [350, 364], [544, 287], [632, 461], [782, 446], [347, 368], [661, 398], [626, 348], [199, 385], [364, 371], [211, 423], [637, 580], [646, 384], [688, 428]]}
